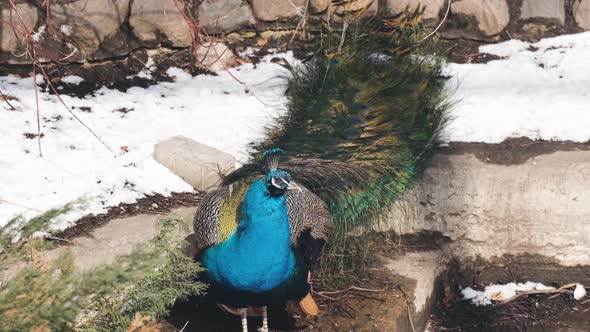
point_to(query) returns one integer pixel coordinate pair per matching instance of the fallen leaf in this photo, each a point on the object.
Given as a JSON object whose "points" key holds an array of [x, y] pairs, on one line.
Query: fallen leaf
{"points": [[142, 323], [497, 296], [243, 60], [262, 42]]}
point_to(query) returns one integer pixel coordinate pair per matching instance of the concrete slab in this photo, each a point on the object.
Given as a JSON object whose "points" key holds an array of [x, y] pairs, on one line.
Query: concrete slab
{"points": [[540, 206], [419, 276], [196, 163], [116, 238]]}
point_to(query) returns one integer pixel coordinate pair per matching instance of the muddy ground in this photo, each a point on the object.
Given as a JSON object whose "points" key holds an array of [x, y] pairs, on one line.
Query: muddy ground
{"points": [[512, 151], [542, 312]]}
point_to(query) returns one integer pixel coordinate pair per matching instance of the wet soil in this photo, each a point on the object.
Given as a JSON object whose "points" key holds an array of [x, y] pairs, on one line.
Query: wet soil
{"points": [[466, 51], [348, 311], [512, 151], [541, 312], [548, 312]]}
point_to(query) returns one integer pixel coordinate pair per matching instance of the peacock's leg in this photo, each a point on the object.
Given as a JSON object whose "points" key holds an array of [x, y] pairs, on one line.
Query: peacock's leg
{"points": [[264, 327], [244, 314]]}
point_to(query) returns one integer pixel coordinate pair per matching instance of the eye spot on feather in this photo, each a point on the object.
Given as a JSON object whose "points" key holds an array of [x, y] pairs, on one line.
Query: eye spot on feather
{"points": [[359, 107]]}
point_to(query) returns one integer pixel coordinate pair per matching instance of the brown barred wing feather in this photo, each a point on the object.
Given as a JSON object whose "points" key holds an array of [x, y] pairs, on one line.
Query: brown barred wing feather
{"points": [[207, 221], [307, 213]]}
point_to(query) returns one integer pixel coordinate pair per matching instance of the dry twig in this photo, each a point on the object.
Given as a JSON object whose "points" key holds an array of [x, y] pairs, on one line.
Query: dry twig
{"points": [[7, 100], [441, 22], [352, 288], [561, 290]]}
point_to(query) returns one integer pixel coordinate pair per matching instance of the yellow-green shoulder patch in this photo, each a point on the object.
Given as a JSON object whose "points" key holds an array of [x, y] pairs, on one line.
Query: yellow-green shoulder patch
{"points": [[230, 210]]}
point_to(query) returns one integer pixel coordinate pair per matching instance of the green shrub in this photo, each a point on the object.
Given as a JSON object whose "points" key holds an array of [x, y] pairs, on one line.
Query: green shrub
{"points": [[52, 296]]}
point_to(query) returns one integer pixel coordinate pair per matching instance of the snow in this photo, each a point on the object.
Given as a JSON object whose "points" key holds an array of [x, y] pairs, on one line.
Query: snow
{"points": [[76, 168], [579, 292], [540, 91], [67, 30], [72, 79], [499, 292], [505, 292], [38, 35]]}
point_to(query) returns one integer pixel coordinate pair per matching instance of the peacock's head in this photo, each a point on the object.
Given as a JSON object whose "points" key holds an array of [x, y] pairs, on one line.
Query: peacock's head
{"points": [[278, 182]]}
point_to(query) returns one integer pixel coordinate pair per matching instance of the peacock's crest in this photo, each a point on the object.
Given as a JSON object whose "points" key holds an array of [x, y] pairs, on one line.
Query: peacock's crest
{"points": [[272, 157]]}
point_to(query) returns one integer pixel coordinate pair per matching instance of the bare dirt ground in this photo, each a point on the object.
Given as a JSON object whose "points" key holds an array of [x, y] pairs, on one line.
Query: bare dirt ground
{"points": [[512, 151], [547, 312], [378, 304]]}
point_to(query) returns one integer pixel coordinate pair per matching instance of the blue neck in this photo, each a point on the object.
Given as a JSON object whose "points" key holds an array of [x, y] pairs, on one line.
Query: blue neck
{"points": [[258, 256]]}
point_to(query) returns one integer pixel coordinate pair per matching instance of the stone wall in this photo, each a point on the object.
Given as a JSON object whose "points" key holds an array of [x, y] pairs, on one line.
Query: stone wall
{"points": [[86, 30]]}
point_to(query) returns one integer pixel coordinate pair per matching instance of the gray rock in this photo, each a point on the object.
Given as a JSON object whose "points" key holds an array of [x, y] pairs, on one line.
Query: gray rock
{"points": [[272, 10], [118, 237], [216, 57], [91, 22], [153, 19], [373, 7], [319, 5], [492, 15], [196, 163], [432, 10], [582, 13], [9, 40], [551, 9], [224, 15]]}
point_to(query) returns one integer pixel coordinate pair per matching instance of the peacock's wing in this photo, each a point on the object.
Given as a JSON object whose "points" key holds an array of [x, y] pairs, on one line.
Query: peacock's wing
{"points": [[217, 217], [310, 222]]}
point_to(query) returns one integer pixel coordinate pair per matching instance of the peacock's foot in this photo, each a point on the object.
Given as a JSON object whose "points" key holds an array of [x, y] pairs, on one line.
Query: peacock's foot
{"points": [[244, 314], [264, 327]]}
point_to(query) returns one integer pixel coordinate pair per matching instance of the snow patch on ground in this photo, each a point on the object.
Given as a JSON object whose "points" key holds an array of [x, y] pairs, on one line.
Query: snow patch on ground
{"points": [[213, 110], [72, 79], [579, 292], [540, 90], [500, 292]]}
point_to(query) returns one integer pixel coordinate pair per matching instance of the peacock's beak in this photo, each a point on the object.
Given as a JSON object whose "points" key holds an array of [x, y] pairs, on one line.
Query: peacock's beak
{"points": [[291, 185]]}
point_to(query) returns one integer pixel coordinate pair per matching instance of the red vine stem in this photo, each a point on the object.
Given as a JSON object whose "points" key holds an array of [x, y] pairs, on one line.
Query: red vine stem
{"points": [[68, 108], [37, 107], [197, 33], [31, 49]]}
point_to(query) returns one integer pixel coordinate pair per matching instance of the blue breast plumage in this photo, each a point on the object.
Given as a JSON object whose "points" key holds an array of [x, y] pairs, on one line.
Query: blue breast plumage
{"points": [[258, 256]]}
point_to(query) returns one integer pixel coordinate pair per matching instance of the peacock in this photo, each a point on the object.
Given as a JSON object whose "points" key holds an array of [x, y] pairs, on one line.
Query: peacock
{"points": [[363, 114], [259, 240]]}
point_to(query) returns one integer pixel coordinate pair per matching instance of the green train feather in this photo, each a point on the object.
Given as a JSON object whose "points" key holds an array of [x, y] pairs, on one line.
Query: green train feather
{"points": [[362, 117]]}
